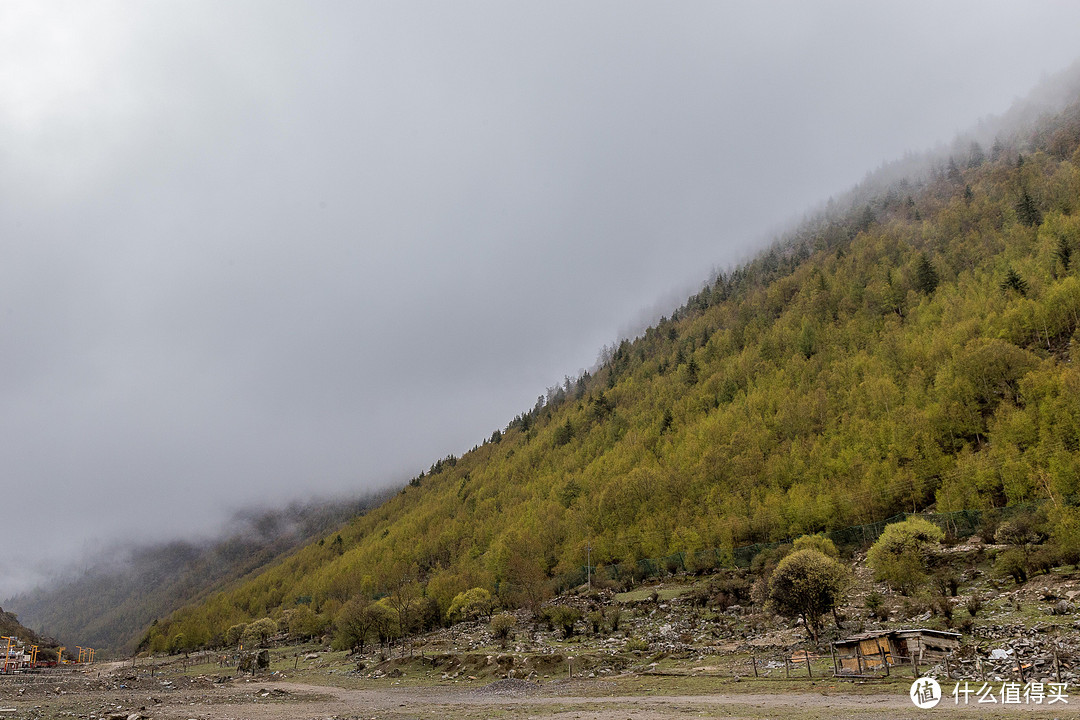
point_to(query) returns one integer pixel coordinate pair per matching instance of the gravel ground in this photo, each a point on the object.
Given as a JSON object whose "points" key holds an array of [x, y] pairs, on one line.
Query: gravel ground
{"points": [[510, 699]]}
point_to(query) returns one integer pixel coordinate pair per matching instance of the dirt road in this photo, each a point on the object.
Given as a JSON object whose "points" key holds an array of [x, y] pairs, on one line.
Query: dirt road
{"points": [[513, 701], [505, 699]]}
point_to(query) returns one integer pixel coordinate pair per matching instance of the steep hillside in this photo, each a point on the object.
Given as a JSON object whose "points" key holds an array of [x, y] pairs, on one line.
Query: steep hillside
{"points": [[110, 604], [914, 351], [11, 627]]}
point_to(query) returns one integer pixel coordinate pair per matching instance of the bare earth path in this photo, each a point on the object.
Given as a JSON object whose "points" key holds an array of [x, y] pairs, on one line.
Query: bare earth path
{"points": [[253, 699], [310, 702]]}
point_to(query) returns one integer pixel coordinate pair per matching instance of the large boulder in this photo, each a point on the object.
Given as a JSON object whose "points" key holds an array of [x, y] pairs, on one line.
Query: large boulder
{"points": [[252, 662]]}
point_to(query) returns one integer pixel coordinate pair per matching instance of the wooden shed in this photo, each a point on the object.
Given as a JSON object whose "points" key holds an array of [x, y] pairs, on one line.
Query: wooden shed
{"points": [[877, 650]]}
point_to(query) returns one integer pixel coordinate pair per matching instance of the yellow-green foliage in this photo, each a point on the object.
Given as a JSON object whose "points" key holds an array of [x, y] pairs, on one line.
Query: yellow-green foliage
{"points": [[807, 584], [818, 542], [827, 383], [900, 555], [234, 633], [257, 633], [470, 605], [502, 625], [1065, 533]]}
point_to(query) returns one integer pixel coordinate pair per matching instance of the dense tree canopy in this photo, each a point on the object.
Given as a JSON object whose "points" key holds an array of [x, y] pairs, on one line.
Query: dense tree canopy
{"points": [[867, 364]]}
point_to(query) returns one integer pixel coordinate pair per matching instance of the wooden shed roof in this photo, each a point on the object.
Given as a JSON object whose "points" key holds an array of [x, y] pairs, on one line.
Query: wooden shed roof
{"points": [[871, 634]]}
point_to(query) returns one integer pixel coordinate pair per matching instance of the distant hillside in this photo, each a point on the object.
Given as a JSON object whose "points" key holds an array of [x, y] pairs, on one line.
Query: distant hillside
{"points": [[912, 348], [11, 627], [110, 604]]}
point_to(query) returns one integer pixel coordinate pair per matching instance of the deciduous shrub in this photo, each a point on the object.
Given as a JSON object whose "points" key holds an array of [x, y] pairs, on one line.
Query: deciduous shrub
{"points": [[562, 617], [502, 625], [876, 605], [901, 555], [807, 584], [1012, 563], [470, 605], [257, 633], [234, 633], [818, 542]]}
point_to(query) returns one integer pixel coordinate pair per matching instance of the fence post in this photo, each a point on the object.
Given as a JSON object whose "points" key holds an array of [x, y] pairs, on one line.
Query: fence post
{"points": [[884, 661], [806, 654], [753, 659], [832, 651], [787, 663]]}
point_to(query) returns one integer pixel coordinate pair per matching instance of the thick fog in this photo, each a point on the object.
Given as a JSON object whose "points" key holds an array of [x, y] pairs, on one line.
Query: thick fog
{"points": [[257, 251]]}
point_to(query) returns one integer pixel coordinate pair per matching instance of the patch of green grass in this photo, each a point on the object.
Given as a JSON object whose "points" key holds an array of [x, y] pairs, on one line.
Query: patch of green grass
{"points": [[664, 593]]}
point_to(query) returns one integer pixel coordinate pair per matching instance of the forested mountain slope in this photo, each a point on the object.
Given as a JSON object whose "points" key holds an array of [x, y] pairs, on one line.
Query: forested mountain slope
{"points": [[11, 627], [109, 605], [916, 350]]}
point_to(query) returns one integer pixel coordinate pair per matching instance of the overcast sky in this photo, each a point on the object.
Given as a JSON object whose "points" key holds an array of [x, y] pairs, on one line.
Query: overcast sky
{"points": [[255, 251]]}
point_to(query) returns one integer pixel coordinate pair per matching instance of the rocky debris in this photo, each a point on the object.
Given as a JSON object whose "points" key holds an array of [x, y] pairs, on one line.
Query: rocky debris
{"points": [[272, 692], [252, 662], [1020, 654], [508, 688], [1041, 669], [1061, 607]]}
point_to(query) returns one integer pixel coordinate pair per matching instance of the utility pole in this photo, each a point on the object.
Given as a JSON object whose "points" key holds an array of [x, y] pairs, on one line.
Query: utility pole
{"points": [[7, 651], [588, 563]]}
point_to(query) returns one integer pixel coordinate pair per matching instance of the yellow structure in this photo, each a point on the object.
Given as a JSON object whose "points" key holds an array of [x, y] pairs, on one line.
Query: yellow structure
{"points": [[17, 654]]}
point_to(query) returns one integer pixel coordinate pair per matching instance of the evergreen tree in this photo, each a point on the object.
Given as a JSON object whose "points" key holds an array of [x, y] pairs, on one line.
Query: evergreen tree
{"points": [[976, 156], [691, 372], [666, 420], [953, 173], [1013, 281], [564, 433], [1064, 253], [1026, 211], [926, 277]]}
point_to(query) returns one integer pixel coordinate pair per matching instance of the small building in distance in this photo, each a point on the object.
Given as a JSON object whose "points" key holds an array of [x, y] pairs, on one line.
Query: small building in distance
{"points": [[874, 651]]}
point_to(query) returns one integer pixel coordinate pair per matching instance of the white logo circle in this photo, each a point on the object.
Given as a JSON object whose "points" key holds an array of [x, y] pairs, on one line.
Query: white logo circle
{"points": [[925, 693]]}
